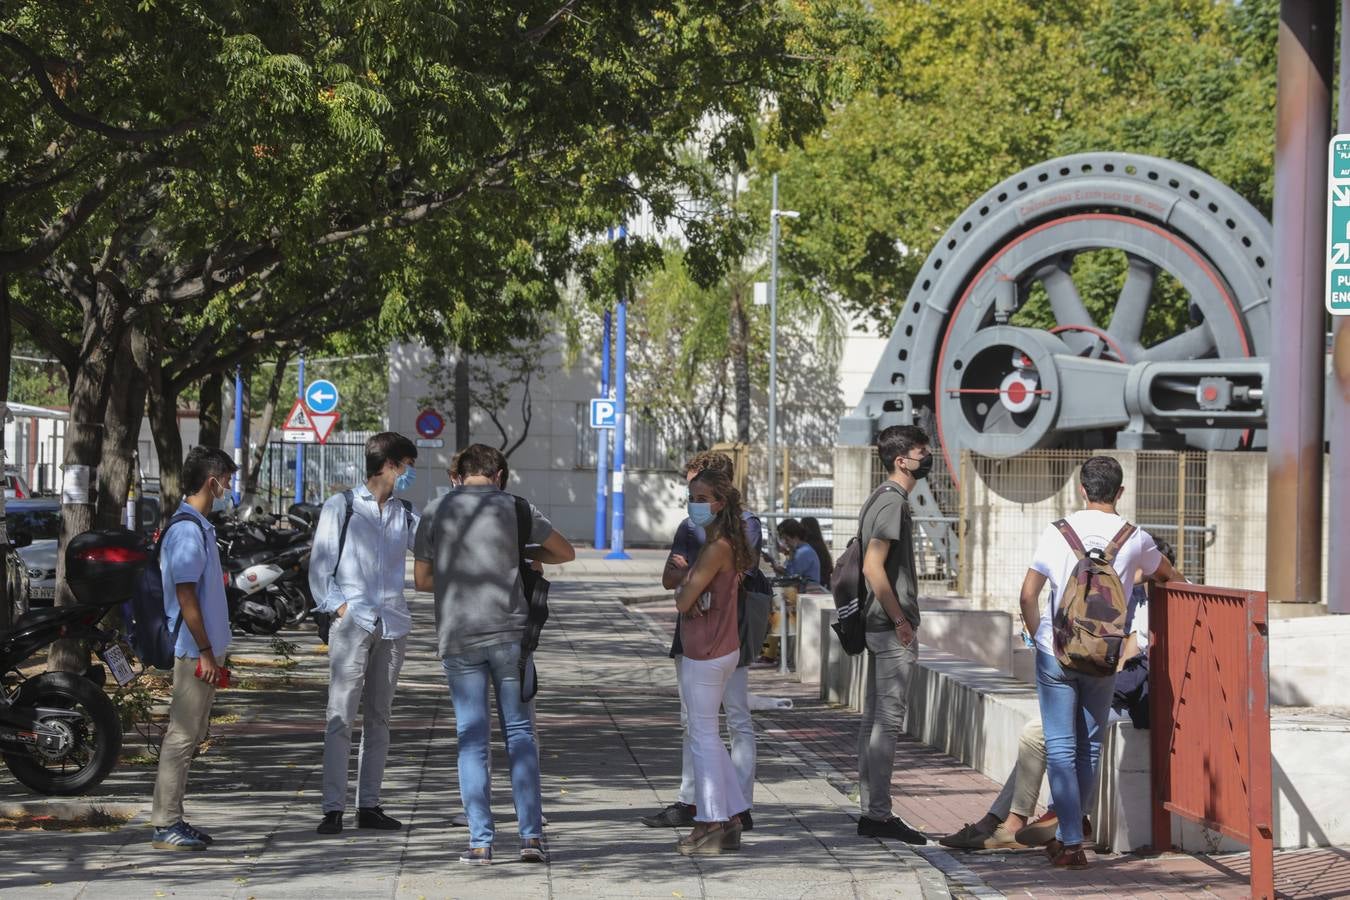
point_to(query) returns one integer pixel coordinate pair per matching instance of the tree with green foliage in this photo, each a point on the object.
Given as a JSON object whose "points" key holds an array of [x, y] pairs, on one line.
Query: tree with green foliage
{"points": [[968, 92]]}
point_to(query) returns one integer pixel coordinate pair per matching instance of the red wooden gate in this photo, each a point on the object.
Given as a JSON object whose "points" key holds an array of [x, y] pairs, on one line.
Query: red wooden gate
{"points": [[1210, 718]]}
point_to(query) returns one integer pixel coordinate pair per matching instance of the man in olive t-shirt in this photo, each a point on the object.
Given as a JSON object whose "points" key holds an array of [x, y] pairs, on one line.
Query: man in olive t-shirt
{"points": [[891, 623]]}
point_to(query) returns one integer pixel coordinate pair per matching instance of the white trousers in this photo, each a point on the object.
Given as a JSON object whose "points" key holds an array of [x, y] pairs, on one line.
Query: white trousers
{"points": [[703, 687], [736, 705]]}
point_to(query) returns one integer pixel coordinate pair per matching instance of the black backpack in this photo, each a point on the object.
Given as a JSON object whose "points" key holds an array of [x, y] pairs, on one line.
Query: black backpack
{"points": [[536, 603], [850, 587], [324, 621], [147, 623]]}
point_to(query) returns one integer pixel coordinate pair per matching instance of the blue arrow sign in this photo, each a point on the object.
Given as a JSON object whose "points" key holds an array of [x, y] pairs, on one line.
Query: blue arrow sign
{"points": [[604, 413], [321, 396]]}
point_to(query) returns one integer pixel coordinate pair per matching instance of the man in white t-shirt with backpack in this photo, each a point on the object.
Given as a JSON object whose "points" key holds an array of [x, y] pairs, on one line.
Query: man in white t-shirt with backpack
{"points": [[1090, 559]]}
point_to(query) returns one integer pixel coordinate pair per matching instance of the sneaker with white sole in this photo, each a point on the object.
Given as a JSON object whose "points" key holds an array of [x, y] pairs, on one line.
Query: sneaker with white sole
{"points": [[176, 837]]}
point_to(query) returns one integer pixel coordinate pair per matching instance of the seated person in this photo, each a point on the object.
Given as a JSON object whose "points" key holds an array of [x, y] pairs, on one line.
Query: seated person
{"points": [[802, 560], [1005, 826]]}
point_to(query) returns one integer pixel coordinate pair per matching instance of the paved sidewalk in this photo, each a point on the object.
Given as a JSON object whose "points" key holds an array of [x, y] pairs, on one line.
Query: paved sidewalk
{"points": [[938, 794], [608, 718]]}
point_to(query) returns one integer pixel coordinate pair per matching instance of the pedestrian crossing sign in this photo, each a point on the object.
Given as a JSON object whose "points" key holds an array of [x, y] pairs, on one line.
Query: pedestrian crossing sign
{"points": [[1338, 226]]}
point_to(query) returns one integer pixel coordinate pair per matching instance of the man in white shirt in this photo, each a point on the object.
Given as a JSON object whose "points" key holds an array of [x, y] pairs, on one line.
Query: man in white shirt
{"points": [[356, 571], [1075, 706]]}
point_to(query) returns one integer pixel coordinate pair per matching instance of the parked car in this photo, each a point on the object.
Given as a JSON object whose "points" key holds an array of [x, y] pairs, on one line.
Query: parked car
{"points": [[813, 497], [16, 486], [41, 521]]}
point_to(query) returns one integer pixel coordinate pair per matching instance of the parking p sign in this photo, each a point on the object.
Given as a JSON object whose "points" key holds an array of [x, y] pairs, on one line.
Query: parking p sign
{"points": [[1338, 226], [604, 413]]}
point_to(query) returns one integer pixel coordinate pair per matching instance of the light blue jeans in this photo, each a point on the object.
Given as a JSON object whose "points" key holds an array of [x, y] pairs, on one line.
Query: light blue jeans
{"points": [[1075, 709], [469, 675]]}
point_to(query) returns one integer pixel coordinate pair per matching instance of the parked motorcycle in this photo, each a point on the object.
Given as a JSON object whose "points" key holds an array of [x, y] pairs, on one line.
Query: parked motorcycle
{"points": [[60, 734], [267, 572]]}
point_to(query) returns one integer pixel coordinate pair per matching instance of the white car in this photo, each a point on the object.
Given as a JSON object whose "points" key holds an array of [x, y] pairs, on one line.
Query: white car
{"points": [[40, 520], [813, 497]]}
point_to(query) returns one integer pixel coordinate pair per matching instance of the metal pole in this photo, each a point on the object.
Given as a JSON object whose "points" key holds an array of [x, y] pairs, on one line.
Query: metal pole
{"points": [[1338, 567], [1298, 334], [238, 432], [620, 426], [773, 385], [602, 448], [300, 448]]}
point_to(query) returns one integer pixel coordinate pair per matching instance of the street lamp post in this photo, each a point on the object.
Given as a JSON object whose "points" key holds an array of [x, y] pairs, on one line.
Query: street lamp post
{"points": [[774, 215]]}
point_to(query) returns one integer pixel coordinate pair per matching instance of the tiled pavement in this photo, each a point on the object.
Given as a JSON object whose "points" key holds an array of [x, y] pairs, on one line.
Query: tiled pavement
{"points": [[938, 795]]}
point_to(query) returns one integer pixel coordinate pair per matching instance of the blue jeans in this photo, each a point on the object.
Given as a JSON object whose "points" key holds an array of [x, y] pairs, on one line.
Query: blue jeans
{"points": [[469, 675], [1075, 709]]}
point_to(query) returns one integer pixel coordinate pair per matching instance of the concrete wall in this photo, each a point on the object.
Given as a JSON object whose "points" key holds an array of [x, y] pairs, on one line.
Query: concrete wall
{"points": [[1236, 506]]}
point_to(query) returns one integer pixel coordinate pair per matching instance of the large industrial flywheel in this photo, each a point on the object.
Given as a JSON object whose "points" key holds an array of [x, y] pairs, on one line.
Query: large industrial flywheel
{"points": [[963, 363]]}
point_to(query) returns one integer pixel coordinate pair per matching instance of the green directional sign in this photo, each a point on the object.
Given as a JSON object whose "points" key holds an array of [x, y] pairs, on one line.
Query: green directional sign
{"points": [[1338, 226]]}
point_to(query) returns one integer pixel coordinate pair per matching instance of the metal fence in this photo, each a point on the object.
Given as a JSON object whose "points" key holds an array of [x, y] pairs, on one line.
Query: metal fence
{"points": [[334, 466], [1005, 504]]}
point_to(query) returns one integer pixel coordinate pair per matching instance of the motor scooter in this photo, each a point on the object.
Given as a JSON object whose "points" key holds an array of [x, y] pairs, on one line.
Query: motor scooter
{"points": [[60, 734]]}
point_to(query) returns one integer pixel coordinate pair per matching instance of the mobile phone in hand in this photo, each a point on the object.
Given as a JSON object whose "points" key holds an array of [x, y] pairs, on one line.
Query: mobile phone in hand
{"points": [[224, 680]]}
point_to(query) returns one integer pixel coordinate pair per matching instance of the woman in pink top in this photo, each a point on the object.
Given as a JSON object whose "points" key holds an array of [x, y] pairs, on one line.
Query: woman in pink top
{"points": [[708, 602]]}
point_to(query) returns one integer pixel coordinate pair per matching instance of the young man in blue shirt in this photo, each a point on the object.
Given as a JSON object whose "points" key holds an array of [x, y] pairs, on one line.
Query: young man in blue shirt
{"points": [[196, 611]]}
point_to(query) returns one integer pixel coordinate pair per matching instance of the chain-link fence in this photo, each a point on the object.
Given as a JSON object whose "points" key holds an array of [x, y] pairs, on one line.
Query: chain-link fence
{"points": [[1005, 505]]}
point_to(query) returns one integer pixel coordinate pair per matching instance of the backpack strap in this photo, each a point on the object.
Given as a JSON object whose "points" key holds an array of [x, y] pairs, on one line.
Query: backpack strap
{"points": [[179, 517], [407, 512], [1071, 538], [1124, 534], [346, 520], [524, 521]]}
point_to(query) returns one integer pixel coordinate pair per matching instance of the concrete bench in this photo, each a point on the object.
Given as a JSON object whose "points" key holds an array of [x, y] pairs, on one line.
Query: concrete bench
{"points": [[975, 713]]}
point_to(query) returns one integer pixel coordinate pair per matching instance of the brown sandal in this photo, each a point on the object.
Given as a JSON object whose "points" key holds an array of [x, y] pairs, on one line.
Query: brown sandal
{"points": [[709, 843]]}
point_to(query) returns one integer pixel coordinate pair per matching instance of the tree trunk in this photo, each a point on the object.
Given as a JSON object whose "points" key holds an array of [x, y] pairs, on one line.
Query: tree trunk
{"points": [[263, 434], [739, 348], [463, 398], [163, 408], [121, 433], [89, 395], [6, 348], [209, 410]]}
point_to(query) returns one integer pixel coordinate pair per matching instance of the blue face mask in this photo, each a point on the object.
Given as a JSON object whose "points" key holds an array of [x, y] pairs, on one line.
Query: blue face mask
{"points": [[222, 504], [701, 514], [405, 479]]}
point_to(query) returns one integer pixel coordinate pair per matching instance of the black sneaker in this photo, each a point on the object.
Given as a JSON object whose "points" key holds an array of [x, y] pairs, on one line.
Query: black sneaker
{"points": [[331, 824], [374, 817], [892, 828], [747, 823], [676, 815]]}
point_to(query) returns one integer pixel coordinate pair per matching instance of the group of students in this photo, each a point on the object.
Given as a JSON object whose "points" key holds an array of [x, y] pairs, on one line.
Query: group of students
{"points": [[468, 547], [1075, 706]]}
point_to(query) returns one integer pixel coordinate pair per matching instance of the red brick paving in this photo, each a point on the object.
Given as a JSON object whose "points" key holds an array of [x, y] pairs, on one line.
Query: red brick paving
{"points": [[938, 794]]}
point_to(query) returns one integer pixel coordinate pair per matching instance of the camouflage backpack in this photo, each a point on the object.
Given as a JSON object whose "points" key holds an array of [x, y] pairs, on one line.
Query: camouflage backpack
{"points": [[1090, 617]]}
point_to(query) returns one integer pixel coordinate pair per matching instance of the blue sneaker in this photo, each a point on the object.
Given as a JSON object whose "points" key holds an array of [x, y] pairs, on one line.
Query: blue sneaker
{"points": [[177, 836], [203, 836]]}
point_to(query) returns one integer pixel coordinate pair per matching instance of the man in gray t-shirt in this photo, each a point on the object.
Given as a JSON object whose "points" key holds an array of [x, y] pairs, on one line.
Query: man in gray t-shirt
{"points": [[468, 555], [889, 519], [891, 622]]}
